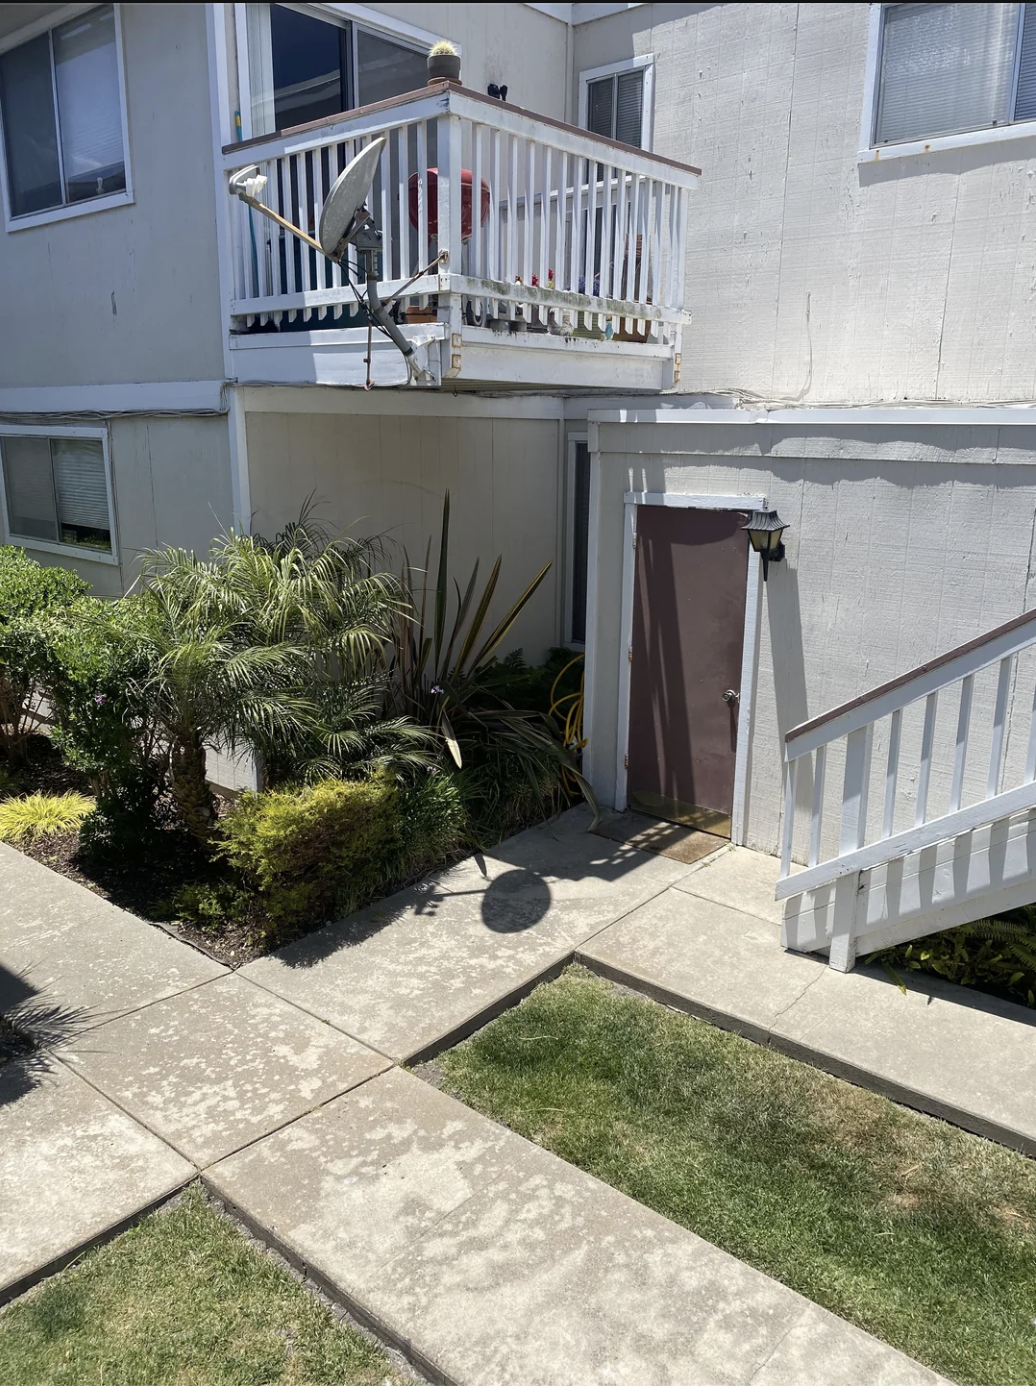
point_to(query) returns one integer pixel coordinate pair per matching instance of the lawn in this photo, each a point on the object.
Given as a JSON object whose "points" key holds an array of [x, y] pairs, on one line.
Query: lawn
{"points": [[921, 1234], [182, 1299]]}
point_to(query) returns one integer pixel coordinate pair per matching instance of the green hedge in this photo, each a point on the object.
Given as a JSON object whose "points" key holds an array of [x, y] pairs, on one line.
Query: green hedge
{"points": [[311, 852], [29, 594]]}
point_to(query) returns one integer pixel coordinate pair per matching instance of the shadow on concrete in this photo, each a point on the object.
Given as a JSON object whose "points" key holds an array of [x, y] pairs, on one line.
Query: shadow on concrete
{"points": [[512, 902], [935, 988], [27, 1024]]}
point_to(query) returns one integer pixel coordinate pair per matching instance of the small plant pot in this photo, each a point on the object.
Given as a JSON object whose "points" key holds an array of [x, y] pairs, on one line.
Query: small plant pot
{"points": [[443, 67]]}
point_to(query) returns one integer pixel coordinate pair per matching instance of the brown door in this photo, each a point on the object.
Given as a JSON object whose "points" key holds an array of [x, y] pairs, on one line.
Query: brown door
{"points": [[688, 635]]}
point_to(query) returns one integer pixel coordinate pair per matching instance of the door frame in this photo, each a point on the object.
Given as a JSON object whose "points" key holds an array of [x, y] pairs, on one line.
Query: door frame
{"points": [[749, 657]]}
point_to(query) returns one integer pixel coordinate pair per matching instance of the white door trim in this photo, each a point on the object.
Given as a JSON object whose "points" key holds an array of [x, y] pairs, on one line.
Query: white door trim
{"points": [[753, 603]]}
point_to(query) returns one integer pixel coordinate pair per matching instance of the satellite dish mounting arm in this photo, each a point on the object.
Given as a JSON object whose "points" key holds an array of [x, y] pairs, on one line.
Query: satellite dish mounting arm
{"points": [[345, 221]]}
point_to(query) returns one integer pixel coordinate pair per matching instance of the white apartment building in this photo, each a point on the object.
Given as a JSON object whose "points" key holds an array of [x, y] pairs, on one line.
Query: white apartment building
{"points": [[700, 260]]}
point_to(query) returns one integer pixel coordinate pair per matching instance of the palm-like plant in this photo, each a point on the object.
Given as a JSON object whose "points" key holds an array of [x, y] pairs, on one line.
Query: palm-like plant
{"points": [[271, 646], [445, 673]]}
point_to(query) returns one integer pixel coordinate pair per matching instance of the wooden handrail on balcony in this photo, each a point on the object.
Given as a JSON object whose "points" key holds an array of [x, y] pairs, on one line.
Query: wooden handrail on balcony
{"points": [[576, 234], [407, 98]]}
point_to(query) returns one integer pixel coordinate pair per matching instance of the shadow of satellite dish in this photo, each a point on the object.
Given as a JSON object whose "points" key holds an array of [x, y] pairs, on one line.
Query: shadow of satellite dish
{"points": [[515, 902]]}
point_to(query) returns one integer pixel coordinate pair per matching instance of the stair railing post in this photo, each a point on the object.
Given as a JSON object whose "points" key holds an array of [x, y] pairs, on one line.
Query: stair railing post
{"points": [[853, 835]]}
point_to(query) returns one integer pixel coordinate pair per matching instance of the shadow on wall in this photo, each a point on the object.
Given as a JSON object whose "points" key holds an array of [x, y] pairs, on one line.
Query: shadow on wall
{"points": [[784, 619]]}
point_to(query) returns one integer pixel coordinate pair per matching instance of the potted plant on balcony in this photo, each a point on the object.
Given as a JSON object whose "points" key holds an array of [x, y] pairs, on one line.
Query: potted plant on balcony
{"points": [[443, 62]]}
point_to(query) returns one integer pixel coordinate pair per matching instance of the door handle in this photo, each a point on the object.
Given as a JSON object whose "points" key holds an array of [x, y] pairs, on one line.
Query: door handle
{"points": [[730, 696]]}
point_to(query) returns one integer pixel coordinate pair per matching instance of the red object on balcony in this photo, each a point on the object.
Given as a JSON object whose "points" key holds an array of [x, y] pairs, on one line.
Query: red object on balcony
{"points": [[466, 179]]}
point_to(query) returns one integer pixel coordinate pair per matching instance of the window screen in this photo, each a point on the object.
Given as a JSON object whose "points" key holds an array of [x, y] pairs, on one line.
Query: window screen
{"points": [[949, 68], [387, 69], [55, 489], [580, 542], [61, 101], [615, 107]]}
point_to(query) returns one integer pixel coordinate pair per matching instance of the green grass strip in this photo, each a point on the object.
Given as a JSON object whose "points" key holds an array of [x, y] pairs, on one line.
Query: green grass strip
{"points": [[182, 1299], [916, 1231]]}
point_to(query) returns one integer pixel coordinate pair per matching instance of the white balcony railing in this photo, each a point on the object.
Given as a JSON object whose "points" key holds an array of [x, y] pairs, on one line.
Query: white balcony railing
{"points": [[568, 233]]}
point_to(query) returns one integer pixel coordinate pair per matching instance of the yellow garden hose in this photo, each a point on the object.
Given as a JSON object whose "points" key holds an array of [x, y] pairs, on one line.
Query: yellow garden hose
{"points": [[568, 709]]}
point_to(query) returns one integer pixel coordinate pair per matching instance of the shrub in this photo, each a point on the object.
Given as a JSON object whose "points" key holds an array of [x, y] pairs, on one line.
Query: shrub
{"points": [[311, 852], [28, 592], [41, 815], [89, 659], [210, 907], [432, 821], [995, 955]]}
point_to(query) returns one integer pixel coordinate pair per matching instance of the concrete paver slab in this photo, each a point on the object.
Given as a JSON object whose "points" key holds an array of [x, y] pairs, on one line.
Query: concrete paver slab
{"points": [[955, 1053], [72, 1166], [408, 972], [501, 1265], [707, 958], [742, 879], [219, 1066], [69, 957], [353, 1184]]}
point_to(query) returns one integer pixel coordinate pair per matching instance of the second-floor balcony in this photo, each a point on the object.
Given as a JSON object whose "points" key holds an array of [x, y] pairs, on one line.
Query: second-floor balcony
{"points": [[540, 255]]}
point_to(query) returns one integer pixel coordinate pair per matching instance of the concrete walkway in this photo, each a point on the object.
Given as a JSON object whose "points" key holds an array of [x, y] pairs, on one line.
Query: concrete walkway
{"points": [[486, 1258]]}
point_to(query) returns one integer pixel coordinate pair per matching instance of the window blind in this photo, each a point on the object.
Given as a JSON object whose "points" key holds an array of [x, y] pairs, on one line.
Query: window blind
{"points": [[79, 485], [1025, 101], [29, 487], [600, 107], [945, 68], [86, 76], [629, 107]]}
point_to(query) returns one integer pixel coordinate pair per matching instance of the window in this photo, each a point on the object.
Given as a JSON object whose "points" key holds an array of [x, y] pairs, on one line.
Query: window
{"points": [[302, 68], [580, 542], [946, 69], [61, 107], [55, 490], [615, 107], [616, 102]]}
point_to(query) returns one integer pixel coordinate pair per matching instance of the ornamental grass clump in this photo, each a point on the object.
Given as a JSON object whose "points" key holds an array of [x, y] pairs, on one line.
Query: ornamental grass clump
{"points": [[42, 815]]}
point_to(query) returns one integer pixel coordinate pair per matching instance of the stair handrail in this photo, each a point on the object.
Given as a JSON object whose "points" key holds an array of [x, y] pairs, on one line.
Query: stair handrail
{"points": [[855, 721]]}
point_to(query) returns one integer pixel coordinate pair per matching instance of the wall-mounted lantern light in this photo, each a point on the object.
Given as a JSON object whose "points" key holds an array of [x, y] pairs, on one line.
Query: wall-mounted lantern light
{"points": [[765, 528]]}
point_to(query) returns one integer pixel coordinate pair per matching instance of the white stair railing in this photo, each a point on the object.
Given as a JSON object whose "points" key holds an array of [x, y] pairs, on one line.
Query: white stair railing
{"points": [[947, 721]]}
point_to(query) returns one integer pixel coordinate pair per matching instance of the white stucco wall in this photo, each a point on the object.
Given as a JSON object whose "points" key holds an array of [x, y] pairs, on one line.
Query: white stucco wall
{"points": [[812, 278], [903, 543], [129, 294], [509, 44], [386, 474]]}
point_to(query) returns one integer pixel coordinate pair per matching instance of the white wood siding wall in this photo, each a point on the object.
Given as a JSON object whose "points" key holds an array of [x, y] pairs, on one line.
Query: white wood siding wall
{"points": [[810, 277]]}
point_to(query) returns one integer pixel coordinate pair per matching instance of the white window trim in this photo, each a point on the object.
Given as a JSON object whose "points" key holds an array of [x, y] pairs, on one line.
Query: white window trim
{"points": [[95, 204], [570, 548], [80, 551], [646, 61], [407, 35], [871, 153]]}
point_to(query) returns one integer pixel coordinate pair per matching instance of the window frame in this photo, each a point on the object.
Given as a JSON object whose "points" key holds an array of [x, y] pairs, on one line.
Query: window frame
{"points": [[80, 551], [385, 26], [89, 205], [872, 153], [646, 63]]}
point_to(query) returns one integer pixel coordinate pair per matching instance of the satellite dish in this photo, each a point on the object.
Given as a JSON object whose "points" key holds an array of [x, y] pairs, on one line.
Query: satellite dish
{"points": [[347, 197]]}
